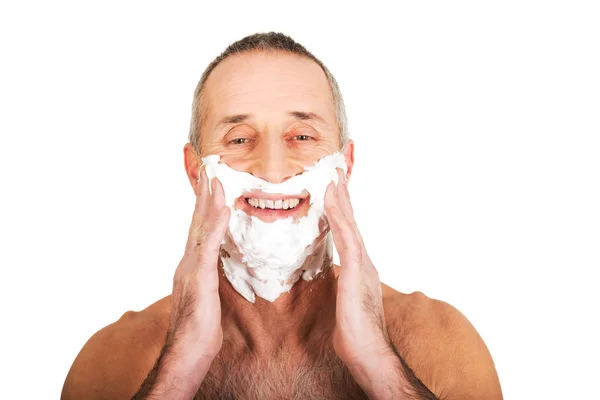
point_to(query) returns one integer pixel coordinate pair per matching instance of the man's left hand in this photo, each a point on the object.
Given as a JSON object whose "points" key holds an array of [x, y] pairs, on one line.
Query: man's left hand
{"points": [[360, 337], [360, 334]]}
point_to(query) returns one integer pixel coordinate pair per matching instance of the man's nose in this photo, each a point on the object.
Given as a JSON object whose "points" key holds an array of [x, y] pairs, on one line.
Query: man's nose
{"points": [[273, 164]]}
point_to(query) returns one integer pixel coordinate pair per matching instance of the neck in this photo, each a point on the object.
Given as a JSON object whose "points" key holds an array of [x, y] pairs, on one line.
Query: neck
{"points": [[301, 319]]}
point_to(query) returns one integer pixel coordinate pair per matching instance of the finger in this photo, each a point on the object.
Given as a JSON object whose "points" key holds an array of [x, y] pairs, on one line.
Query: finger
{"points": [[331, 196], [218, 195], [331, 201], [208, 260], [344, 236], [344, 196], [214, 238], [201, 203], [344, 202], [203, 181]]}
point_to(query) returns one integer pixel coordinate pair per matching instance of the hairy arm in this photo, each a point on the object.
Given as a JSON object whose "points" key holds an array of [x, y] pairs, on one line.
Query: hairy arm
{"points": [[386, 376], [412, 388], [165, 380], [174, 375]]}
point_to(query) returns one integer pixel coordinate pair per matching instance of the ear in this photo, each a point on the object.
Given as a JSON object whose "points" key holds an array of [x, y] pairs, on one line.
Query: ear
{"points": [[349, 156], [192, 164]]}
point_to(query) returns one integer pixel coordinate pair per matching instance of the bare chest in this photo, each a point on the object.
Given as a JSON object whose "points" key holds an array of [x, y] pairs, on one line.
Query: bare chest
{"points": [[321, 378]]}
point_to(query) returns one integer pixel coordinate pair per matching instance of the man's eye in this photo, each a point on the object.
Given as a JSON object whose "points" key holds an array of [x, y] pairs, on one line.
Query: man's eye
{"points": [[302, 137], [239, 141]]}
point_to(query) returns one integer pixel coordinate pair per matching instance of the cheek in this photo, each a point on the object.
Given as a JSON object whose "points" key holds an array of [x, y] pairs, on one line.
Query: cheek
{"points": [[297, 156], [239, 163], [313, 152]]}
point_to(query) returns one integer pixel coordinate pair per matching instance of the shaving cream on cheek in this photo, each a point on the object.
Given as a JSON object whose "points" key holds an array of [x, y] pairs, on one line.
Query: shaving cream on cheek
{"points": [[266, 259]]}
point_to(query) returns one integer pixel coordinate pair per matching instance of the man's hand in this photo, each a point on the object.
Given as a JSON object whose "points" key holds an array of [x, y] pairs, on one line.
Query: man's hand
{"points": [[360, 337], [195, 335], [195, 305], [360, 329]]}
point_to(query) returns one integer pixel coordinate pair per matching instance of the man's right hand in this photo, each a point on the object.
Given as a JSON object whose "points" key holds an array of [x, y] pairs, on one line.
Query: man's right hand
{"points": [[195, 334]]}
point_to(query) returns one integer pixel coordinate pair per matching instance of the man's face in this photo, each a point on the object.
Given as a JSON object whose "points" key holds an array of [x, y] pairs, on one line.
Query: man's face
{"points": [[271, 115]]}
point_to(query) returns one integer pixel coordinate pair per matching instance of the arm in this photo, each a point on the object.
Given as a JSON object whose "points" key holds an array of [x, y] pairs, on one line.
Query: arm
{"points": [[195, 335], [110, 366], [172, 378], [361, 337], [387, 376], [114, 363], [448, 356]]}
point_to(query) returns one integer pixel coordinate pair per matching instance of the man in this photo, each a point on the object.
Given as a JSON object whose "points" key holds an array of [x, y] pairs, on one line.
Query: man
{"points": [[268, 107]]}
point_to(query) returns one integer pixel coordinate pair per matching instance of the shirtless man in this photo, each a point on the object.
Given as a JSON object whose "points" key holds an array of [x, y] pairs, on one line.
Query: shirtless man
{"points": [[268, 107]]}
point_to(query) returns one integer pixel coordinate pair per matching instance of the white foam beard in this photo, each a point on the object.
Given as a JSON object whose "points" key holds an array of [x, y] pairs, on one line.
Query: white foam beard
{"points": [[266, 259]]}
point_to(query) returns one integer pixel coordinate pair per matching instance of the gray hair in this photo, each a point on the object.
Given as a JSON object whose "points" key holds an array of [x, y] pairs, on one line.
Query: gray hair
{"points": [[271, 41]]}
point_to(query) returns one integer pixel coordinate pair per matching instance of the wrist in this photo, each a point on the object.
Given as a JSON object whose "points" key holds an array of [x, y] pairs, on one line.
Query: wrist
{"points": [[379, 375], [181, 372], [372, 358], [187, 360]]}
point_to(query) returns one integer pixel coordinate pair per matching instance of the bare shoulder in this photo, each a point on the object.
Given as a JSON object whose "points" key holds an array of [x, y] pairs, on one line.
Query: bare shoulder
{"points": [[441, 346], [116, 359]]}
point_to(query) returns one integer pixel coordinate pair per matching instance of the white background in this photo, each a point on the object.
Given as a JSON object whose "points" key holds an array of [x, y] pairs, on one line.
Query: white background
{"points": [[477, 176]]}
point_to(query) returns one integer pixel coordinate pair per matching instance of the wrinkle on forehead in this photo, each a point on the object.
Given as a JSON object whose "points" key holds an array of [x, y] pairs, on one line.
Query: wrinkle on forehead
{"points": [[269, 85]]}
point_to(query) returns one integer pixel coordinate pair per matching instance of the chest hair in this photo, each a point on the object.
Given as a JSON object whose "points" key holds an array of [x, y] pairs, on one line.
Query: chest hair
{"points": [[283, 377]]}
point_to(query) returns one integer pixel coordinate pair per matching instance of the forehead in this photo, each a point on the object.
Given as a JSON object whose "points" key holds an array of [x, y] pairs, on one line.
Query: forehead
{"points": [[267, 82]]}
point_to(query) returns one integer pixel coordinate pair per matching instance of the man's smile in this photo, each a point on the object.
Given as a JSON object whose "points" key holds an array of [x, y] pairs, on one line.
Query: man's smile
{"points": [[268, 207], [280, 204]]}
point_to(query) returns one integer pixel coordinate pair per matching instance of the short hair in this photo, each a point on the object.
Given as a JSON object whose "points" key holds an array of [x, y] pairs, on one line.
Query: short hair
{"points": [[273, 42]]}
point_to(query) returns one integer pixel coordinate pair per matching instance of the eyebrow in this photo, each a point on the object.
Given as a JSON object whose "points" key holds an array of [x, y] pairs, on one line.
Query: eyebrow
{"points": [[234, 119], [302, 115]]}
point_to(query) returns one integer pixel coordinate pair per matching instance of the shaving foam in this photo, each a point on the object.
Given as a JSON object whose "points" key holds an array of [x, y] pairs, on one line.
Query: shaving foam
{"points": [[267, 259]]}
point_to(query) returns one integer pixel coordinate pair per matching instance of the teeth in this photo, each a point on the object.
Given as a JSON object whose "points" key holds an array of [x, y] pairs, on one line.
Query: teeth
{"points": [[273, 204]]}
